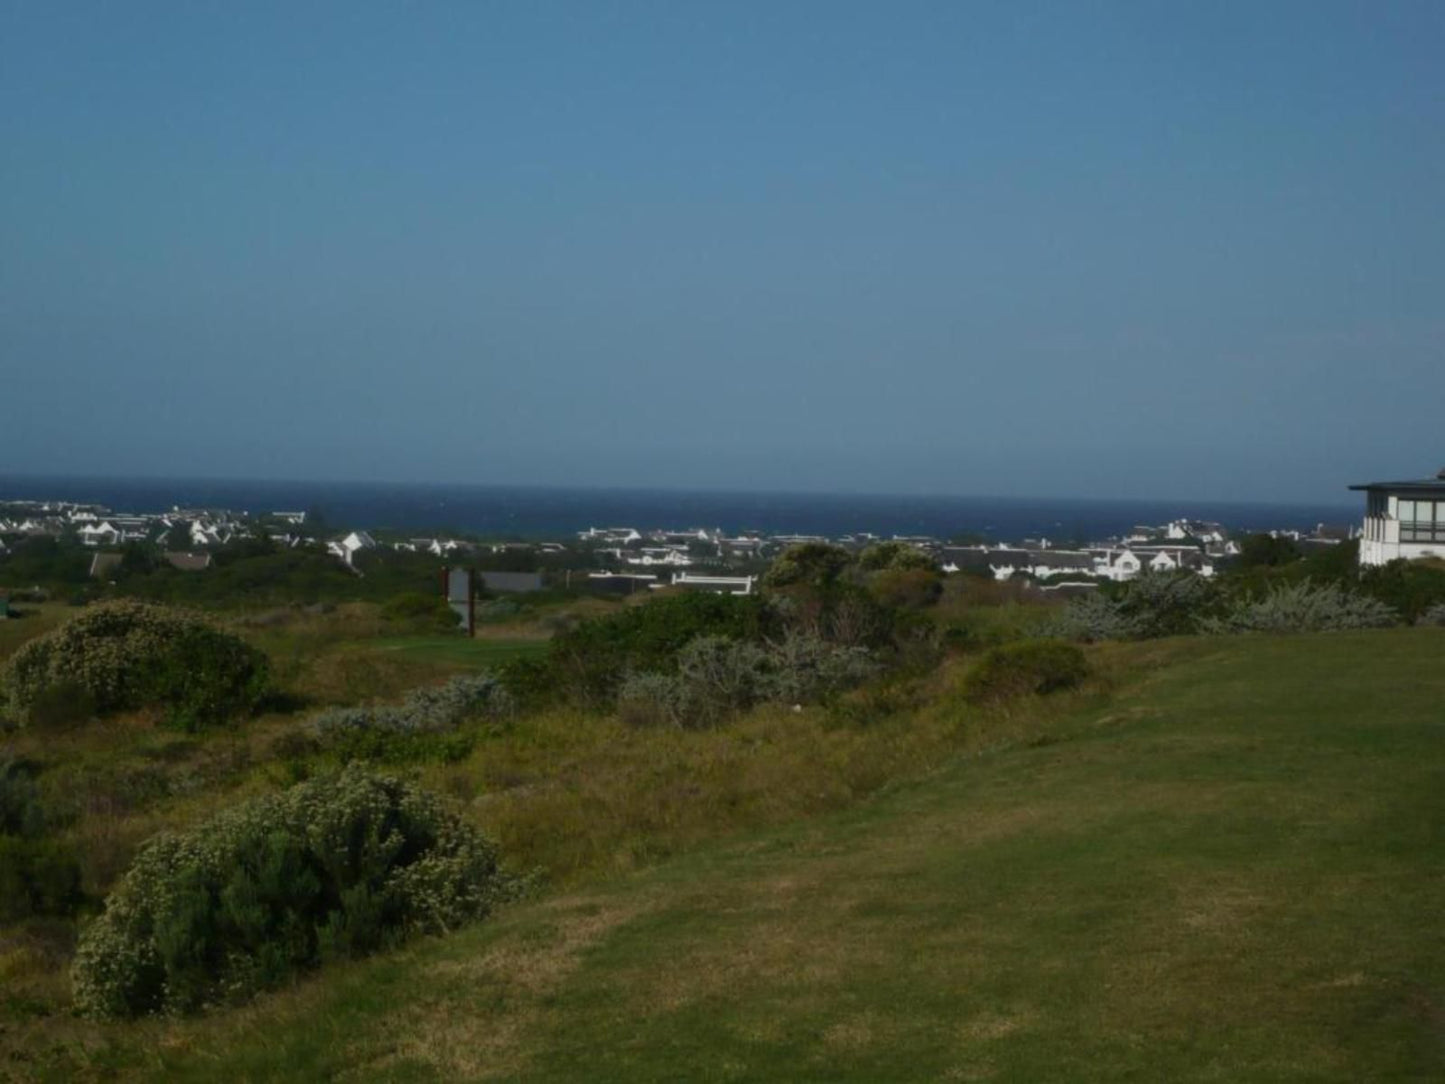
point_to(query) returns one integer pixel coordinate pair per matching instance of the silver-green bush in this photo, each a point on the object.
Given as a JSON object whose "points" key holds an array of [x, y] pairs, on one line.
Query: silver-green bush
{"points": [[807, 669], [1093, 617], [428, 710], [718, 676], [1303, 607], [648, 699], [1435, 615], [338, 867], [1158, 604]]}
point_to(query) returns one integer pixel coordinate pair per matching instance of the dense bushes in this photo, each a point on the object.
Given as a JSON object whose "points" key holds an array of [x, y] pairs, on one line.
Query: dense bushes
{"points": [[1183, 603], [717, 677], [1154, 605], [589, 662], [1411, 588], [38, 876], [1094, 617], [117, 656], [20, 811], [422, 612], [1303, 607], [1028, 666], [411, 729], [337, 867]]}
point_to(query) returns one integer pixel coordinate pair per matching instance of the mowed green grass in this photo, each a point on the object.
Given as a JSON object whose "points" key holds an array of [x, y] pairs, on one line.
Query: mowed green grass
{"points": [[1235, 871], [457, 650]]}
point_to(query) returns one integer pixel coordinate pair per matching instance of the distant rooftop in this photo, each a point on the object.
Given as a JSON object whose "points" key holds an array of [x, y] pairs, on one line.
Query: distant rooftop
{"points": [[1438, 482]]}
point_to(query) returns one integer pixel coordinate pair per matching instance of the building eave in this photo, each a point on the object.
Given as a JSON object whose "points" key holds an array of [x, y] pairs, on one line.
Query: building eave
{"points": [[1425, 485]]}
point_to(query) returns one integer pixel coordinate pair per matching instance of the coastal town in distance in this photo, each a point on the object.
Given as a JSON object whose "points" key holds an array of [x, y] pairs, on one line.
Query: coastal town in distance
{"points": [[620, 560]]}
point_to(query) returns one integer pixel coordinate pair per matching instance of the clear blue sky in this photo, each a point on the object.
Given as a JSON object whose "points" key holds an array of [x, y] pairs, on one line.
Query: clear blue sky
{"points": [[1079, 249]]}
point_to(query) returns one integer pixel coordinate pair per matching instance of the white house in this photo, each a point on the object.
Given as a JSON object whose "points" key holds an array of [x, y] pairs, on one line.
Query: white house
{"points": [[1118, 565], [718, 585], [351, 545], [1403, 520], [660, 555], [99, 534]]}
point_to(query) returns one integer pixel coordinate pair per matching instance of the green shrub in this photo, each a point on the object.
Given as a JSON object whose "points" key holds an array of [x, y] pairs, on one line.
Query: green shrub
{"points": [[816, 565], [1303, 607], [722, 676], [37, 877], [62, 704], [906, 588], [808, 669], [717, 677], [421, 611], [1029, 666], [530, 681], [1411, 588], [20, 810], [1155, 604], [127, 655], [653, 700], [419, 728], [1094, 617], [899, 556], [337, 867], [589, 663], [1171, 603]]}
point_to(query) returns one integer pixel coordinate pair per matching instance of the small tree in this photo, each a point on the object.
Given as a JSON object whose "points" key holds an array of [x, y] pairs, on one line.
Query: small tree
{"points": [[1268, 551]]}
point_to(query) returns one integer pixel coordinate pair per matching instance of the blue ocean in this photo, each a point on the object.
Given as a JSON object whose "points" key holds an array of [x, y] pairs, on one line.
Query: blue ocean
{"points": [[541, 512]]}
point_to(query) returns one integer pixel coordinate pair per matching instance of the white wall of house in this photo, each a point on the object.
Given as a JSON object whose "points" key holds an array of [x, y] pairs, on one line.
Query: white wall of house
{"points": [[1393, 524]]}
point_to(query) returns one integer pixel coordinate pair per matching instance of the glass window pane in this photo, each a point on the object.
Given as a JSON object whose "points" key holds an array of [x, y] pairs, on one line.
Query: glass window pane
{"points": [[1440, 513], [1405, 512]]}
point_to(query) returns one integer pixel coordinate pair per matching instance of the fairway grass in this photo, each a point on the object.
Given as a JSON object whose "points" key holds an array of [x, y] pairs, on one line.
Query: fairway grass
{"points": [[457, 650], [1233, 871]]}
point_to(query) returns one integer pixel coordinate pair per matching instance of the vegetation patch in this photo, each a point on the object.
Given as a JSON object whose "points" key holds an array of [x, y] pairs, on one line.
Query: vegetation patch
{"points": [[1029, 666], [1304, 607], [420, 727], [717, 678], [119, 656], [338, 867]]}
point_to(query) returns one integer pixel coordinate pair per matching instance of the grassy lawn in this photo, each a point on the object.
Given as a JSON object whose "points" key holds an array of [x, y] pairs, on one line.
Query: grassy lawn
{"points": [[1234, 870], [455, 650]]}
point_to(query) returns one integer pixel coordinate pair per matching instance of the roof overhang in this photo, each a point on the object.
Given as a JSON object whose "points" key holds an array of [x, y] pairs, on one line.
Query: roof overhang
{"points": [[1433, 486]]}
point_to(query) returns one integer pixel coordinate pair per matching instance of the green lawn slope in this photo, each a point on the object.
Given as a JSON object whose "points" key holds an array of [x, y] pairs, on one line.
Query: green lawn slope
{"points": [[1234, 871]]}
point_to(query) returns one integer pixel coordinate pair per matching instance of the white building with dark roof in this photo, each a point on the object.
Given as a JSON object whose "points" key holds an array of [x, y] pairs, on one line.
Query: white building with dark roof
{"points": [[1403, 520]]}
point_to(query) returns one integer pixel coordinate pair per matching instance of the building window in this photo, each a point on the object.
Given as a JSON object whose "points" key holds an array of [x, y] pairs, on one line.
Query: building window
{"points": [[1422, 521]]}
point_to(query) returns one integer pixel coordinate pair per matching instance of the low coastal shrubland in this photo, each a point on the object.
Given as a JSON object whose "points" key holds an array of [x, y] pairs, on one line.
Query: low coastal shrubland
{"points": [[1302, 607], [419, 728], [39, 876], [334, 868], [717, 677], [1027, 667], [617, 734], [120, 656], [1182, 603]]}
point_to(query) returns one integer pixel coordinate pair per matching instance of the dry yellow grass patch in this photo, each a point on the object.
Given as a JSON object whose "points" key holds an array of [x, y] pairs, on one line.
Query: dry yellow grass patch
{"points": [[485, 1040]]}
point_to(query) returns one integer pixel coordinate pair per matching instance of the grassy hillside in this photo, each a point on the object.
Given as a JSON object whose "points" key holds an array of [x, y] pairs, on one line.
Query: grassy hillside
{"points": [[1233, 870]]}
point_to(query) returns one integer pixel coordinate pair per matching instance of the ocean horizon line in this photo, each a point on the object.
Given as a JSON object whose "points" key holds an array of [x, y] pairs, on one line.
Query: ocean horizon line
{"points": [[699, 492]]}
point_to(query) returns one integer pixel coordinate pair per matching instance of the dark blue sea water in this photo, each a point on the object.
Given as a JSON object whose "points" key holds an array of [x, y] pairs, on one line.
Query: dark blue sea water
{"points": [[537, 512]]}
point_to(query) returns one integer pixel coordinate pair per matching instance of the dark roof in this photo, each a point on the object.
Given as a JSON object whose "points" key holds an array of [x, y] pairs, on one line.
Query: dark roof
{"points": [[512, 581], [1063, 559], [1431, 485]]}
